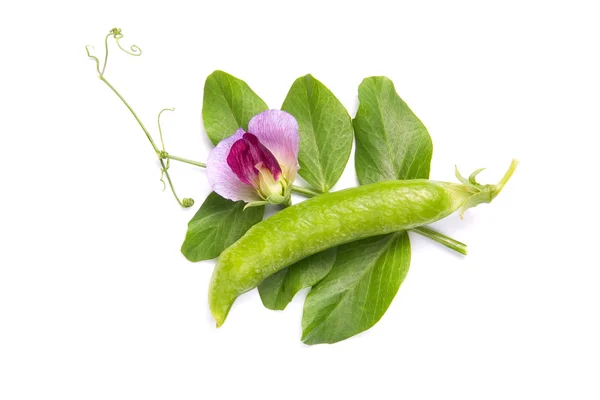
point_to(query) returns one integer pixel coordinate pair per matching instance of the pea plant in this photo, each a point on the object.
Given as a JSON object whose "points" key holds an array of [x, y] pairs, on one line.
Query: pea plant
{"points": [[352, 246]]}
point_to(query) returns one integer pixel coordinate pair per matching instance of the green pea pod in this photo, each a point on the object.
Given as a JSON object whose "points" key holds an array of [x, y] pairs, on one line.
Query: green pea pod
{"points": [[332, 219]]}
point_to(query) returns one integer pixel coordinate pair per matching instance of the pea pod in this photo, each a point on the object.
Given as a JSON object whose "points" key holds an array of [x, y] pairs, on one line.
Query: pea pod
{"points": [[332, 219]]}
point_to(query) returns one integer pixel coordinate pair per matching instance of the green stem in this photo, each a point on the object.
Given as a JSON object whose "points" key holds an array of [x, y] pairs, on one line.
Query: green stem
{"points": [[139, 121], [105, 53], [305, 191], [164, 169], [185, 160], [500, 185], [186, 202], [441, 239]]}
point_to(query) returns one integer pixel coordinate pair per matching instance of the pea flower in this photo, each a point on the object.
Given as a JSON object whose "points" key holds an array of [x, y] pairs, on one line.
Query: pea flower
{"points": [[258, 166]]}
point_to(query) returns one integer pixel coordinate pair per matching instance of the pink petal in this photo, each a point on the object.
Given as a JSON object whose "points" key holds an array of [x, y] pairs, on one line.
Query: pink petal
{"points": [[278, 131], [220, 176]]}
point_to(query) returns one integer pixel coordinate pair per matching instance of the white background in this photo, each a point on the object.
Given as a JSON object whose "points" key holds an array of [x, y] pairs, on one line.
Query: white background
{"points": [[96, 301]]}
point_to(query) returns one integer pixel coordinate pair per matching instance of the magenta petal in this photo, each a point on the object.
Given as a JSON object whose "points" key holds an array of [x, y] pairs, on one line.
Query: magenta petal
{"points": [[241, 162], [248, 153], [260, 154], [278, 131], [220, 176]]}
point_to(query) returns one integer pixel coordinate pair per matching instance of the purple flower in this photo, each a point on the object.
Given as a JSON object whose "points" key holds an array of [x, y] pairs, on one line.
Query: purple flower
{"points": [[258, 166]]}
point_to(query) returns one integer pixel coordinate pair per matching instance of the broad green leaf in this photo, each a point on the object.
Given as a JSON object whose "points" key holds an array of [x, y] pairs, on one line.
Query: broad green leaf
{"points": [[279, 289], [228, 105], [391, 142], [217, 224], [326, 135], [360, 287], [325, 132]]}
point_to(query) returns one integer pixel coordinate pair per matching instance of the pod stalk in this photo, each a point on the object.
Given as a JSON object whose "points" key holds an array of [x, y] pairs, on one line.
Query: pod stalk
{"points": [[509, 173], [482, 193]]}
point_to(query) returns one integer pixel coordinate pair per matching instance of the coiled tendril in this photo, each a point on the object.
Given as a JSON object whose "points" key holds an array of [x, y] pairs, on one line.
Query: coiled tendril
{"points": [[161, 153], [187, 202], [116, 33], [135, 50]]}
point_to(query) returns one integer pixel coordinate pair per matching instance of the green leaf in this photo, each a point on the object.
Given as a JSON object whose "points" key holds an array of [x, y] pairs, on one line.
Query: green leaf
{"points": [[360, 287], [228, 105], [279, 289], [217, 224], [326, 132], [326, 135], [391, 142]]}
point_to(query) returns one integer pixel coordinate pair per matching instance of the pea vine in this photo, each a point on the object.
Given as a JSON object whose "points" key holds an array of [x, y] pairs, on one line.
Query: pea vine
{"points": [[162, 155], [391, 144]]}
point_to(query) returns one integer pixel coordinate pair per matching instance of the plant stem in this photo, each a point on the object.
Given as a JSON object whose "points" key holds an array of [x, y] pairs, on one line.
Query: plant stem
{"points": [[186, 202], [103, 79], [442, 239], [305, 191], [505, 178], [185, 160], [162, 163]]}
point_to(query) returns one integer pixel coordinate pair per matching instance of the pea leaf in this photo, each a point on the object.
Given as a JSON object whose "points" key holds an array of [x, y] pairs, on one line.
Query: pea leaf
{"points": [[360, 287], [228, 105], [391, 142], [279, 289], [326, 135], [326, 132], [217, 224]]}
